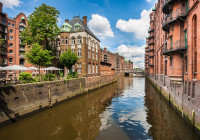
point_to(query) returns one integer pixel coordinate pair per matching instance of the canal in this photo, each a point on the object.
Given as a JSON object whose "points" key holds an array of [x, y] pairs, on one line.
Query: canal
{"points": [[127, 109]]}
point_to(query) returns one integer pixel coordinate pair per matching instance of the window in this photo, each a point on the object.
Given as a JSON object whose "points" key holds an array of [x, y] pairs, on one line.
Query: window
{"points": [[11, 44], [194, 42], [96, 68], [93, 68], [11, 31], [11, 37], [79, 52], [10, 51], [58, 42], [10, 60], [171, 61], [9, 23], [66, 40], [92, 55], [13, 25], [89, 53], [73, 40], [62, 40], [96, 56], [79, 68], [3, 21], [73, 68], [79, 40], [89, 69]]}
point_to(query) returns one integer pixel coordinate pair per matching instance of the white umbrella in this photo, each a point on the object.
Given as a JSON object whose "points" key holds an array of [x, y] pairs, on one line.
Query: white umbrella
{"points": [[14, 68], [51, 68], [33, 68]]}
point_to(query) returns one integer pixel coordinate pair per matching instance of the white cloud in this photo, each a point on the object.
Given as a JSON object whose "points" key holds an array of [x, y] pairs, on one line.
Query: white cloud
{"points": [[11, 3], [100, 26], [148, 1], [133, 53], [139, 27]]}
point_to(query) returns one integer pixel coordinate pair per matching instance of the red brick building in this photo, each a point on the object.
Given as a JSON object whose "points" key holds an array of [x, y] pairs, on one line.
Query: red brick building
{"points": [[12, 50], [76, 35], [173, 46], [118, 64], [128, 66]]}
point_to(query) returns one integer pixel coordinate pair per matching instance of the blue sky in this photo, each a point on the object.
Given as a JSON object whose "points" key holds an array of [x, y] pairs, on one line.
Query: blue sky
{"points": [[121, 25]]}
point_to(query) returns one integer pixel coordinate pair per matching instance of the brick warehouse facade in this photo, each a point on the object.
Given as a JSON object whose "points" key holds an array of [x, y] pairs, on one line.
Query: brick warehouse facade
{"points": [[172, 53], [12, 50]]}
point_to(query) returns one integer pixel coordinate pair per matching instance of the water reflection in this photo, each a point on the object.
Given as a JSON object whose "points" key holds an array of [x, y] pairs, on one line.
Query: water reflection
{"points": [[128, 109]]}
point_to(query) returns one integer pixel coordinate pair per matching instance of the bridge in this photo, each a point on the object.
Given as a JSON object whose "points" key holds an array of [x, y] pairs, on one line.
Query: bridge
{"points": [[135, 73]]}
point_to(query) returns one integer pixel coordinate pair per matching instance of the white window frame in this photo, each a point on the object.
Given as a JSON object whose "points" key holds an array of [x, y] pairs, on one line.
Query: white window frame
{"points": [[73, 41], [93, 68], [79, 40], [79, 52], [66, 41]]}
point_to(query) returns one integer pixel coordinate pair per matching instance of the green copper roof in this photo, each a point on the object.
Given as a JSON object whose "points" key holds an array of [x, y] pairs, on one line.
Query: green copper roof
{"points": [[66, 27], [77, 24], [67, 24], [22, 18], [154, 9]]}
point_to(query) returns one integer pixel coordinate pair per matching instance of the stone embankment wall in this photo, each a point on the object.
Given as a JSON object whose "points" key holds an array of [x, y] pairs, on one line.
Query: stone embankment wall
{"points": [[18, 101], [183, 96]]}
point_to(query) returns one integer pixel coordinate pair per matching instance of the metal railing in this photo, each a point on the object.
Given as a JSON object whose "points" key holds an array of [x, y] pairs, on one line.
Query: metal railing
{"points": [[174, 15], [175, 46]]}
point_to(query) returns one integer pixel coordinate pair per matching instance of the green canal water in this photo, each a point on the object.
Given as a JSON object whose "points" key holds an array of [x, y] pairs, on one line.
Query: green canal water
{"points": [[128, 109]]}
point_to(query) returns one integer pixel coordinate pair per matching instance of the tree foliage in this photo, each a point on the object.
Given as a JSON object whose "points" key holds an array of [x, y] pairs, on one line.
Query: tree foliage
{"points": [[42, 26], [38, 56], [68, 59]]}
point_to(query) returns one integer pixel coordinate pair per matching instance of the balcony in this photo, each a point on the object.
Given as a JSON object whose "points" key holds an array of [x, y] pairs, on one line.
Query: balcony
{"points": [[150, 36], [3, 23], [3, 45], [152, 49], [177, 47], [151, 55], [3, 31], [151, 42], [151, 64], [150, 30], [166, 6], [21, 56], [176, 16], [2, 52], [22, 48]]}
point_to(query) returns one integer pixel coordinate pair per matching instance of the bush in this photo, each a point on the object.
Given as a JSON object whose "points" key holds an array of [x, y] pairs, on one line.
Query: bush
{"points": [[49, 77], [26, 78], [39, 78], [72, 75]]}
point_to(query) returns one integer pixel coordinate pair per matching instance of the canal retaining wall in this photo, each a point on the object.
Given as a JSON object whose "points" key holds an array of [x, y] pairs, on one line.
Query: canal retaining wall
{"points": [[18, 101], [183, 96]]}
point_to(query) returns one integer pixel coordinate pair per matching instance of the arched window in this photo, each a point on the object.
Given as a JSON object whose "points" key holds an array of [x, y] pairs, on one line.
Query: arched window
{"points": [[66, 40], [79, 68], [73, 40], [62, 40], [96, 68], [89, 68], [79, 52], [194, 42], [79, 40], [93, 68]]}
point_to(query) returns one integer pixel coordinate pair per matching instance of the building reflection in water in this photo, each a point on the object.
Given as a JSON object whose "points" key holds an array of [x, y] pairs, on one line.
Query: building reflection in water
{"points": [[128, 109]]}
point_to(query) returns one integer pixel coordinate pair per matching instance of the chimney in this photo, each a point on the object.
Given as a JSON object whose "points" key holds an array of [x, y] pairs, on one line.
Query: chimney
{"points": [[66, 20], [1, 7], [85, 20]]}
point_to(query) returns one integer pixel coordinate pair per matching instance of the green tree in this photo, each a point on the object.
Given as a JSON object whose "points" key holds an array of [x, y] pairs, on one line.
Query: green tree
{"points": [[68, 59], [42, 26], [38, 56]]}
